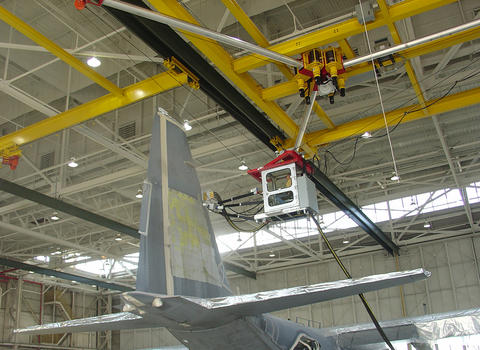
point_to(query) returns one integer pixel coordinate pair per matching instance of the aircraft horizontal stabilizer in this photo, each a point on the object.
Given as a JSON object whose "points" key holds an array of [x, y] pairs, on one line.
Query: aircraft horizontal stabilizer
{"points": [[265, 302], [156, 310], [117, 321]]}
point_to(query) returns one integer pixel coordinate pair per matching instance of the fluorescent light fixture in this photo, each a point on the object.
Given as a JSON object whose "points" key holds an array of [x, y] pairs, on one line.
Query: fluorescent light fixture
{"points": [[395, 177], [54, 216], [272, 254], [94, 62], [345, 240], [366, 135], [118, 238], [139, 194], [427, 224], [243, 166], [72, 163], [186, 125]]}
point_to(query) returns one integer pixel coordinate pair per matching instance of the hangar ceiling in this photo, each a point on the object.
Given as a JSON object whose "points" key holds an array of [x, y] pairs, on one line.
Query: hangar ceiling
{"points": [[435, 147]]}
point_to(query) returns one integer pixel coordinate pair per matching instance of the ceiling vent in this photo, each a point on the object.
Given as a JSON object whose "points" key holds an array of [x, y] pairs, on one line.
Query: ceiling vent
{"points": [[47, 160], [127, 130]]}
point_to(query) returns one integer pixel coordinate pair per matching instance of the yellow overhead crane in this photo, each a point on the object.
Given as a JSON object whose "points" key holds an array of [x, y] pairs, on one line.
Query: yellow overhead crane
{"points": [[322, 71], [9, 144]]}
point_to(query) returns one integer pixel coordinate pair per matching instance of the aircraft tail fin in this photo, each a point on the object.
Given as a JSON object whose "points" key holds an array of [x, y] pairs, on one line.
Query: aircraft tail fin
{"points": [[178, 252]]}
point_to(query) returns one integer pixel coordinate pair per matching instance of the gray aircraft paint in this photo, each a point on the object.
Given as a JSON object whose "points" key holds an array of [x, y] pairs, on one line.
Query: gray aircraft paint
{"points": [[195, 262]]}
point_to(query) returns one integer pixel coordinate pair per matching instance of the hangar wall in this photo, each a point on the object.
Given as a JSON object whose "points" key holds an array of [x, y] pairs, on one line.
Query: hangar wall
{"points": [[454, 285], [34, 308]]}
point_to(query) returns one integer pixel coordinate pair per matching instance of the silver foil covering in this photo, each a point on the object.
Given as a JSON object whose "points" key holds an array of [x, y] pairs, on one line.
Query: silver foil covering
{"points": [[320, 291], [422, 329]]}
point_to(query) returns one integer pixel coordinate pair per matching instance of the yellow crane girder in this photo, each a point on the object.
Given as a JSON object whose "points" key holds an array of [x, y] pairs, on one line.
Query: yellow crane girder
{"points": [[401, 115], [290, 87], [42, 40], [337, 32], [130, 94]]}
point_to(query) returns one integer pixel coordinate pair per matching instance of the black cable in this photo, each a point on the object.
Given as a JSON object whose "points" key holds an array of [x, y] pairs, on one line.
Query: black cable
{"points": [[351, 159], [231, 223], [248, 212], [345, 271]]}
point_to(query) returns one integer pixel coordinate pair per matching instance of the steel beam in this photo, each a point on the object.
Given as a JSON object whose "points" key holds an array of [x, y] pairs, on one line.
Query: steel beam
{"points": [[254, 32], [64, 207], [340, 199], [166, 42], [64, 275], [136, 157], [42, 40], [338, 32], [240, 270], [133, 93], [78, 52], [52, 239], [397, 40]]}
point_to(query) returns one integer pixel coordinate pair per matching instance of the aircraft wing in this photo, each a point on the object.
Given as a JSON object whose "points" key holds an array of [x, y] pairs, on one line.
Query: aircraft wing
{"points": [[418, 330]]}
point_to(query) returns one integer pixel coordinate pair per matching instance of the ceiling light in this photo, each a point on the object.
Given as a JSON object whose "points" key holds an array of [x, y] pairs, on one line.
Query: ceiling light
{"points": [[345, 240], [54, 216], [118, 238], [272, 254], [94, 62], [56, 252], [366, 135], [427, 224], [72, 163], [243, 166], [139, 194], [186, 125], [395, 177]]}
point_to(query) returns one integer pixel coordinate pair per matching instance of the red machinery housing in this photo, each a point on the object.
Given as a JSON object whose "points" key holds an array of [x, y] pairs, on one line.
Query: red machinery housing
{"points": [[287, 157]]}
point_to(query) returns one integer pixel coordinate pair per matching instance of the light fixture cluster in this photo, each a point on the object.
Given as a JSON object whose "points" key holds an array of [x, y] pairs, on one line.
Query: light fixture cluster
{"points": [[72, 163], [366, 135], [243, 166], [186, 125], [94, 62], [395, 177]]}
